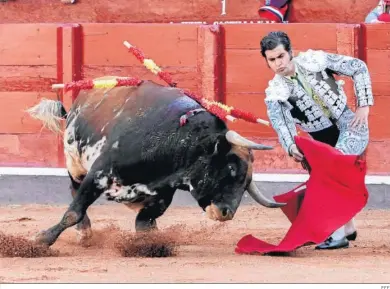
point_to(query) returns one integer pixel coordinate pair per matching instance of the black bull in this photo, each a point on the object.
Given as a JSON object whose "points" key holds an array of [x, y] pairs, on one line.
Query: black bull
{"points": [[127, 143]]}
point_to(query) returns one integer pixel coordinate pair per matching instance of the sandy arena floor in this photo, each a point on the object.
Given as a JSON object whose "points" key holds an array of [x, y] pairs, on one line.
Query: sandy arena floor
{"points": [[204, 255]]}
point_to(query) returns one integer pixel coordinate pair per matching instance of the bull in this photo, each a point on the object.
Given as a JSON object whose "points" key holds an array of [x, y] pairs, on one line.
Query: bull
{"points": [[127, 144]]}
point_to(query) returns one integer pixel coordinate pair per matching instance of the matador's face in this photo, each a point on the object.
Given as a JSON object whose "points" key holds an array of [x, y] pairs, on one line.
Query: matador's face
{"points": [[279, 60]]}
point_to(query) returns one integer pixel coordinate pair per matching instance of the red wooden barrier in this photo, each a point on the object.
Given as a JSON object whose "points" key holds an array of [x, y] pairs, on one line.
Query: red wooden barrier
{"points": [[220, 62]]}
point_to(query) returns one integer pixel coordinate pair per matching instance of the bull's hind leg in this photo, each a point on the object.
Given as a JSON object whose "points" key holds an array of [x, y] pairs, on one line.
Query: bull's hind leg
{"points": [[146, 218], [90, 189], [84, 231]]}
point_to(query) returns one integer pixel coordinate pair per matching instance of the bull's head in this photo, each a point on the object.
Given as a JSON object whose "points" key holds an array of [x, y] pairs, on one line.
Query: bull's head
{"points": [[223, 178]]}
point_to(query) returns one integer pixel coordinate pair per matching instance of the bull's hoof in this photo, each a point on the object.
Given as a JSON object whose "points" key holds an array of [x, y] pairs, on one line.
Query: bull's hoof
{"points": [[146, 226], [84, 237], [146, 230], [41, 238]]}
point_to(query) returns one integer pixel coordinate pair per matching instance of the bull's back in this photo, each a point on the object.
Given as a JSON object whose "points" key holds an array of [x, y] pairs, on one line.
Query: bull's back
{"points": [[147, 104], [133, 126]]}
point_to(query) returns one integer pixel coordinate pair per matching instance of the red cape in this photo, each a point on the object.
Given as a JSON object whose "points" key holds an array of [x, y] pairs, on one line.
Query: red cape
{"points": [[384, 17], [334, 194]]}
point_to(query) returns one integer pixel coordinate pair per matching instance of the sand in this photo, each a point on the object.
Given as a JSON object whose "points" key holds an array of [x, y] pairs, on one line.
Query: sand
{"points": [[204, 251]]}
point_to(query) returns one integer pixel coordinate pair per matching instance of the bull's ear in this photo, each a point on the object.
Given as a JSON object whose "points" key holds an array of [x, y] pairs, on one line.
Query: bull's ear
{"points": [[222, 146]]}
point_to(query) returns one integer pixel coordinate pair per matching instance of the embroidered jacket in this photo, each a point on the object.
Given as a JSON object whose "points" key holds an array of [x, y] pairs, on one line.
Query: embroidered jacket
{"points": [[317, 68]]}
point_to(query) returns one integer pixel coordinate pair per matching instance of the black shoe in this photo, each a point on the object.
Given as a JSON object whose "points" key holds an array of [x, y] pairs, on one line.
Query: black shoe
{"points": [[330, 244], [352, 237]]}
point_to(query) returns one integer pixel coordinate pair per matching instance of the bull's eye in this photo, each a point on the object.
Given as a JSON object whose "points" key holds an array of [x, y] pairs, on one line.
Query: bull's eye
{"points": [[232, 170]]}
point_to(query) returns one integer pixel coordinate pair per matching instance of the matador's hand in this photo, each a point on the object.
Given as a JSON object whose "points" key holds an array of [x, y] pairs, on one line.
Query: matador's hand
{"points": [[296, 154], [361, 117]]}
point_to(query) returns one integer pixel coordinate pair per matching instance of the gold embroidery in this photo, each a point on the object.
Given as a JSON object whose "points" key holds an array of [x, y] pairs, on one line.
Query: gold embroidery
{"points": [[319, 101], [298, 77]]}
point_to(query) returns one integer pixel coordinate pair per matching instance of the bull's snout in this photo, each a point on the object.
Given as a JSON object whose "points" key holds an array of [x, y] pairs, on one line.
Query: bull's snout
{"points": [[219, 213], [227, 213]]}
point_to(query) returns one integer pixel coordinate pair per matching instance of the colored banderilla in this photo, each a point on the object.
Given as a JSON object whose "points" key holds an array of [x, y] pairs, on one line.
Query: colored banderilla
{"points": [[221, 110]]}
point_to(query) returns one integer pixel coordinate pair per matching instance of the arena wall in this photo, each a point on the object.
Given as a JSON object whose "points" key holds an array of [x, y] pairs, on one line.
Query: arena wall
{"points": [[218, 61], [157, 11]]}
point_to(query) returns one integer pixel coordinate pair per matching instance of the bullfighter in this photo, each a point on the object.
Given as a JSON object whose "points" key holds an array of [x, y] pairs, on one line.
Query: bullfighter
{"points": [[304, 93]]}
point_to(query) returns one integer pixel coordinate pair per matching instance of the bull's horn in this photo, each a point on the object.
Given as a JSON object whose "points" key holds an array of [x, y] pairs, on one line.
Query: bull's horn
{"points": [[234, 138], [258, 196]]}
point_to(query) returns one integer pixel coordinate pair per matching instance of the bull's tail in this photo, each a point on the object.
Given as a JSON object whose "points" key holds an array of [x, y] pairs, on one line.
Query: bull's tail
{"points": [[50, 112]]}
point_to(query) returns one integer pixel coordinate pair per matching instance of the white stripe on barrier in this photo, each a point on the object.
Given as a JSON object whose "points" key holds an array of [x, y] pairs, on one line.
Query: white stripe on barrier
{"points": [[299, 178], [258, 177], [13, 171]]}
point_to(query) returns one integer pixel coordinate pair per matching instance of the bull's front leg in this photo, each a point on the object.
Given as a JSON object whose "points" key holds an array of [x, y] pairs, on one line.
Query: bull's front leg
{"points": [[90, 189], [84, 231], [146, 218]]}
